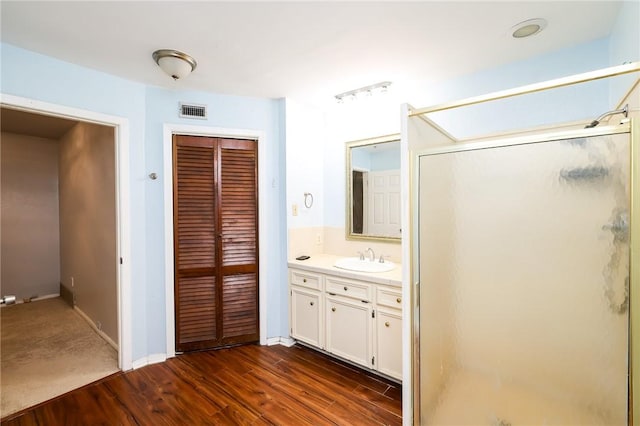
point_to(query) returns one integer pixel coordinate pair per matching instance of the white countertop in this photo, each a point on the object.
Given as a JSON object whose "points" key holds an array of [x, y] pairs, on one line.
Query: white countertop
{"points": [[323, 263]]}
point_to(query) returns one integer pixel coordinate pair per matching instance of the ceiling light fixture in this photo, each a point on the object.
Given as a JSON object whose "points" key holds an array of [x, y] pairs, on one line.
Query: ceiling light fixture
{"points": [[368, 91], [175, 63], [528, 28]]}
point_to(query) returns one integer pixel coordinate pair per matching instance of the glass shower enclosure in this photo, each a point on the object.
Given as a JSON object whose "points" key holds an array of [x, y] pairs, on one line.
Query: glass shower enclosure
{"points": [[524, 272]]}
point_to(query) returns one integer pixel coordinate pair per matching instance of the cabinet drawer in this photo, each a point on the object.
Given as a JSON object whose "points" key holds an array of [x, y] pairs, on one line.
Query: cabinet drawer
{"points": [[389, 297], [305, 279], [353, 289]]}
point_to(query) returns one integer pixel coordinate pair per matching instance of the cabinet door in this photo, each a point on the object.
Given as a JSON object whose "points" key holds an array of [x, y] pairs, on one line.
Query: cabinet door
{"points": [[349, 330], [389, 343], [305, 316]]}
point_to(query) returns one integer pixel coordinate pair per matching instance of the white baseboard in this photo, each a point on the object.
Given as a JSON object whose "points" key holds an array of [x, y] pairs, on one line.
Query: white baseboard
{"points": [[148, 360], [46, 296], [101, 333], [284, 341], [156, 358]]}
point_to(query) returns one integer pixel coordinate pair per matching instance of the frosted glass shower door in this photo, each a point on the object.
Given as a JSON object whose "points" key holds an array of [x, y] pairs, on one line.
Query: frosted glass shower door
{"points": [[524, 284]]}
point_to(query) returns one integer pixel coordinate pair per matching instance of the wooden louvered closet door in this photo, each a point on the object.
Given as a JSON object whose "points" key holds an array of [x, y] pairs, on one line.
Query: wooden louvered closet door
{"points": [[216, 242]]}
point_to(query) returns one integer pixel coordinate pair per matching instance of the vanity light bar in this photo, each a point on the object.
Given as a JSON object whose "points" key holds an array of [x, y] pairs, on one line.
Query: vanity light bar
{"points": [[351, 95]]}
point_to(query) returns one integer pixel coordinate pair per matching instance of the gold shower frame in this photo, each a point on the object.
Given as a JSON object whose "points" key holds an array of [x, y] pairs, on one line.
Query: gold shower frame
{"points": [[630, 125]]}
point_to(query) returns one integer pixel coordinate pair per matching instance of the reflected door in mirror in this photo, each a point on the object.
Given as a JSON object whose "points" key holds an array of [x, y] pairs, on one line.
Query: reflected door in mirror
{"points": [[384, 203], [358, 202], [375, 203]]}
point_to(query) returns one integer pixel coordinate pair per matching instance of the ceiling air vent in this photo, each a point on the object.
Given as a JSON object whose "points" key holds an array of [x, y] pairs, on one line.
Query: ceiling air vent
{"points": [[193, 111]]}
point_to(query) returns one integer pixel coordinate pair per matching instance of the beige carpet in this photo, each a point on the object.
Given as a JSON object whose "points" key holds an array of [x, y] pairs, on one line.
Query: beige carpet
{"points": [[47, 349]]}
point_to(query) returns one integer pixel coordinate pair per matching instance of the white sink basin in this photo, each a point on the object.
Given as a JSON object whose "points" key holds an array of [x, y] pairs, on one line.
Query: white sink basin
{"points": [[355, 264]]}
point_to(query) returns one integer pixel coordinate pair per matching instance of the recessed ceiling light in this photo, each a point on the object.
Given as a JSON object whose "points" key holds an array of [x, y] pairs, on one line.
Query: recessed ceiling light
{"points": [[528, 28]]}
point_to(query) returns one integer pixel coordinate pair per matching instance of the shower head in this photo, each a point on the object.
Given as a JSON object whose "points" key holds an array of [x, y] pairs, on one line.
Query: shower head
{"points": [[594, 123]]}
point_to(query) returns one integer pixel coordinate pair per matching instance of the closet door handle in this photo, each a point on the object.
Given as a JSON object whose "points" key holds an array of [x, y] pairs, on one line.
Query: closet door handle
{"points": [[333, 309], [386, 324], [311, 303], [304, 280], [345, 288], [398, 300]]}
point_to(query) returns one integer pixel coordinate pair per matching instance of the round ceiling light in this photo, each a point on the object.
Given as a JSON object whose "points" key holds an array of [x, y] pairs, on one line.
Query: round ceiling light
{"points": [[175, 63], [528, 28]]}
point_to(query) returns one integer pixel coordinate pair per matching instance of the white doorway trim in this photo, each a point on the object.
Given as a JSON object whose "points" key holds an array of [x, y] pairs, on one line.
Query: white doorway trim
{"points": [[123, 218], [182, 129]]}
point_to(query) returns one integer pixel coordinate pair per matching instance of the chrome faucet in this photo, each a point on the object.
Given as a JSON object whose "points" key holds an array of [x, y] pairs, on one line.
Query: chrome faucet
{"points": [[372, 255]]}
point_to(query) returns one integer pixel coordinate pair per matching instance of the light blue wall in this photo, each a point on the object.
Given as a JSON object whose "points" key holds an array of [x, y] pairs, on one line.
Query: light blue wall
{"points": [[386, 160], [363, 159], [227, 112], [568, 104], [624, 46], [360, 159], [31, 75], [580, 102]]}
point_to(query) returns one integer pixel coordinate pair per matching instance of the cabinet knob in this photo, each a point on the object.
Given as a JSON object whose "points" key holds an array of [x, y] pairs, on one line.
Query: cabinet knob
{"points": [[345, 288], [386, 324], [398, 300], [304, 280], [311, 303], [333, 309]]}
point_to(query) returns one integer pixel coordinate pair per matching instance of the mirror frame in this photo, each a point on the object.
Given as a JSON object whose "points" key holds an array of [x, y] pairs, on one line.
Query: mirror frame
{"points": [[349, 188]]}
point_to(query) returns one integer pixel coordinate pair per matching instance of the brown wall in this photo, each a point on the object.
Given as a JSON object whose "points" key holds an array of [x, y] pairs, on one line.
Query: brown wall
{"points": [[29, 200], [88, 222]]}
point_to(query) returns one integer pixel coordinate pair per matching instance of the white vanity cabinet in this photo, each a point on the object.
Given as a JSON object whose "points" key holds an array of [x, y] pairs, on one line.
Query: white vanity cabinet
{"points": [[356, 320], [306, 313], [348, 319], [389, 331]]}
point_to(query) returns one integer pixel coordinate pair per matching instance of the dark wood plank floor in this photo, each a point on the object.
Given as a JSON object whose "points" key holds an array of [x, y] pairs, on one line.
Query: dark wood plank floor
{"points": [[247, 385]]}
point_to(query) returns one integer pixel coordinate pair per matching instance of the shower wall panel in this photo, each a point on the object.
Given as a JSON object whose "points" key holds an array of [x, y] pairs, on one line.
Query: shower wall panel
{"points": [[437, 299], [522, 283]]}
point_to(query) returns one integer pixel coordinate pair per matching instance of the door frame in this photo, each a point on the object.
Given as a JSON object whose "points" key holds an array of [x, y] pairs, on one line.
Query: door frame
{"points": [[167, 146], [123, 211]]}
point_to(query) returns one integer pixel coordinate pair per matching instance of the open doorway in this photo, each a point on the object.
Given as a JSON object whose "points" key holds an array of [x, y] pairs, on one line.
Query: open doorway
{"points": [[59, 238]]}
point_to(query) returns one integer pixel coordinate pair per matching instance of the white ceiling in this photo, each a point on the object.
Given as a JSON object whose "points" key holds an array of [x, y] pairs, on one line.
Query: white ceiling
{"points": [[310, 51]]}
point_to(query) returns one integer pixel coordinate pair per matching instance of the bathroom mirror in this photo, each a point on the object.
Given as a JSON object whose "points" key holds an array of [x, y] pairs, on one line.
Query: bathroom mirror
{"points": [[373, 189]]}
